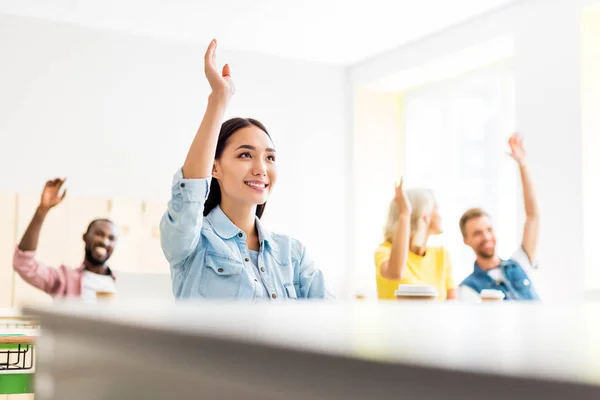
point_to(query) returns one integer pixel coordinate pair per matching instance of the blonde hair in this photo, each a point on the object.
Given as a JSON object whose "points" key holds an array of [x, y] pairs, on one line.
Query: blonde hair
{"points": [[423, 203]]}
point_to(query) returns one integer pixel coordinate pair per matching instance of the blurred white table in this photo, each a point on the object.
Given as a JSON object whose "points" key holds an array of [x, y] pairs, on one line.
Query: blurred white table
{"points": [[9, 312], [319, 350]]}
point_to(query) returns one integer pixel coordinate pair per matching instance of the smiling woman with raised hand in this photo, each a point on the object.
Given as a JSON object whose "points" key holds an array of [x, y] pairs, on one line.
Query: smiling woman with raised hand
{"points": [[211, 233]]}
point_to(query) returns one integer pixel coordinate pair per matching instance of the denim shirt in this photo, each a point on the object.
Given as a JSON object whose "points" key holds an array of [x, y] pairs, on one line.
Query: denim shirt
{"points": [[210, 259], [517, 285]]}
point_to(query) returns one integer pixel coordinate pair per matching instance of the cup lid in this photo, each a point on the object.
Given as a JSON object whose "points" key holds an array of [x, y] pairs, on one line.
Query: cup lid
{"points": [[416, 290], [492, 294]]}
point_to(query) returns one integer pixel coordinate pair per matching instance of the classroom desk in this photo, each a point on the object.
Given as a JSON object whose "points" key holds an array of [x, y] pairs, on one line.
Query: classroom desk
{"points": [[317, 350]]}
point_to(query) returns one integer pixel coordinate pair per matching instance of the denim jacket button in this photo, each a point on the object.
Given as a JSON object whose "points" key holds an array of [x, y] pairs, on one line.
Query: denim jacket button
{"points": [[274, 296], [262, 269]]}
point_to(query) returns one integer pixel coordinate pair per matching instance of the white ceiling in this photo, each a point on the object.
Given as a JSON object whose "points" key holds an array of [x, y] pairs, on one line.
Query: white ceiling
{"points": [[331, 31], [448, 66]]}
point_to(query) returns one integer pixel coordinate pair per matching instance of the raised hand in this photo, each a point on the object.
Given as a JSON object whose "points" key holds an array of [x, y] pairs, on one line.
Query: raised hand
{"points": [[402, 201], [51, 194], [220, 82], [517, 151]]}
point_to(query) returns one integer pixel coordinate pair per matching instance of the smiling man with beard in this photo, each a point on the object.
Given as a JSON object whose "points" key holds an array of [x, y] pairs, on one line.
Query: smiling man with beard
{"points": [[91, 277], [512, 276]]}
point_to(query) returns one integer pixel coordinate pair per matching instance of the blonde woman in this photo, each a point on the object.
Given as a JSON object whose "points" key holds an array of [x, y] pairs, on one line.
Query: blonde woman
{"points": [[404, 256]]}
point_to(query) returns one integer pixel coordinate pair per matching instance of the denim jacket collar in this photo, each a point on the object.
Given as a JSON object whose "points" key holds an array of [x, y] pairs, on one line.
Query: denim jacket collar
{"points": [[227, 230]]}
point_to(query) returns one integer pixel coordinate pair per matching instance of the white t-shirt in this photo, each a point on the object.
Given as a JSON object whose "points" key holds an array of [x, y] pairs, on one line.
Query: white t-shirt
{"points": [[468, 294], [92, 283]]}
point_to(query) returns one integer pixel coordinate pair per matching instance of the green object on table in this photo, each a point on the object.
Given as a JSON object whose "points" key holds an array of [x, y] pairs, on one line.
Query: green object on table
{"points": [[15, 383], [10, 346]]}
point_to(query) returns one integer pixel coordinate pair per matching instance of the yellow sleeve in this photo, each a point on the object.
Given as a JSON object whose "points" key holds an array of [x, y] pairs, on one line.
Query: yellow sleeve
{"points": [[382, 254], [448, 267]]}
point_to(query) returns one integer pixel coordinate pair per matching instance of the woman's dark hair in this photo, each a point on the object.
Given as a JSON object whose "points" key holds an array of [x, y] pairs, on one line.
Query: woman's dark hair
{"points": [[228, 128]]}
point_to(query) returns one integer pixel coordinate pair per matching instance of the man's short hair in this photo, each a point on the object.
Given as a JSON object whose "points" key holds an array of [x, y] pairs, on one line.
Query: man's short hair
{"points": [[468, 215], [98, 220]]}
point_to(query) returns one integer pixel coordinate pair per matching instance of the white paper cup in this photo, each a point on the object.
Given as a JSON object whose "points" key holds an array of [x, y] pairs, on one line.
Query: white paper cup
{"points": [[491, 295], [105, 296], [416, 293]]}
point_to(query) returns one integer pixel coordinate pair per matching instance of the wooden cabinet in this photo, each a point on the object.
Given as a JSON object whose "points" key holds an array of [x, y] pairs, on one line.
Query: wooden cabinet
{"points": [[127, 215], [152, 259]]}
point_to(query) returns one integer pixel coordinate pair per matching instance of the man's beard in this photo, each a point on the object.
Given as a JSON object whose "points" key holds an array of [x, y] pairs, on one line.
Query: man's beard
{"points": [[487, 255], [93, 260]]}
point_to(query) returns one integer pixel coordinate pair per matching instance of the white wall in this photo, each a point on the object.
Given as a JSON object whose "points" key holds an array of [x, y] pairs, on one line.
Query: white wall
{"points": [[548, 69], [590, 84], [548, 112], [448, 42], [377, 163], [116, 113]]}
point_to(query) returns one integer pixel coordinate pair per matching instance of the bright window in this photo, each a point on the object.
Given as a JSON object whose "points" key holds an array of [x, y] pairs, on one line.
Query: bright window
{"points": [[456, 136]]}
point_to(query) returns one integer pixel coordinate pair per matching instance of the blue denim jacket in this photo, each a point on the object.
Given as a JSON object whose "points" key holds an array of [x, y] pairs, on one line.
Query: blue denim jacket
{"points": [[209, 256], [516, 287]]}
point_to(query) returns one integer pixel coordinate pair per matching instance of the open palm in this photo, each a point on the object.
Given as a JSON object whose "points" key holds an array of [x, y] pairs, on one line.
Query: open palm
{"points": [[220, 82], [51, 195], [517, 151], [401, 200]]}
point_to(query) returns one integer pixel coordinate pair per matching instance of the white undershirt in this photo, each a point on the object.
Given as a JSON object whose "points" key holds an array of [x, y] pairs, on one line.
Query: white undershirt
{"points": [[466, 293], [92, 283]]}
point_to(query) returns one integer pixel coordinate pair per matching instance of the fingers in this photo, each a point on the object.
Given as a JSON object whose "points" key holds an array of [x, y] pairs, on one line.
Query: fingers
{"points": [[56, 183], [61, 182], [63, 195], [210, 68], [226, 71], [209, 56], [53, 182], [398, 186], [214, 52], [516, 138]]}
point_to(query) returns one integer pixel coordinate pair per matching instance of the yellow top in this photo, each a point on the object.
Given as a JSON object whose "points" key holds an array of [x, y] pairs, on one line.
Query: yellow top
{"points": [[433, 269]]}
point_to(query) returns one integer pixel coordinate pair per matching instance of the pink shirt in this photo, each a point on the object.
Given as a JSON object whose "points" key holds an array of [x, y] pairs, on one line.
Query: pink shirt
{"points": [[57, 282]]}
